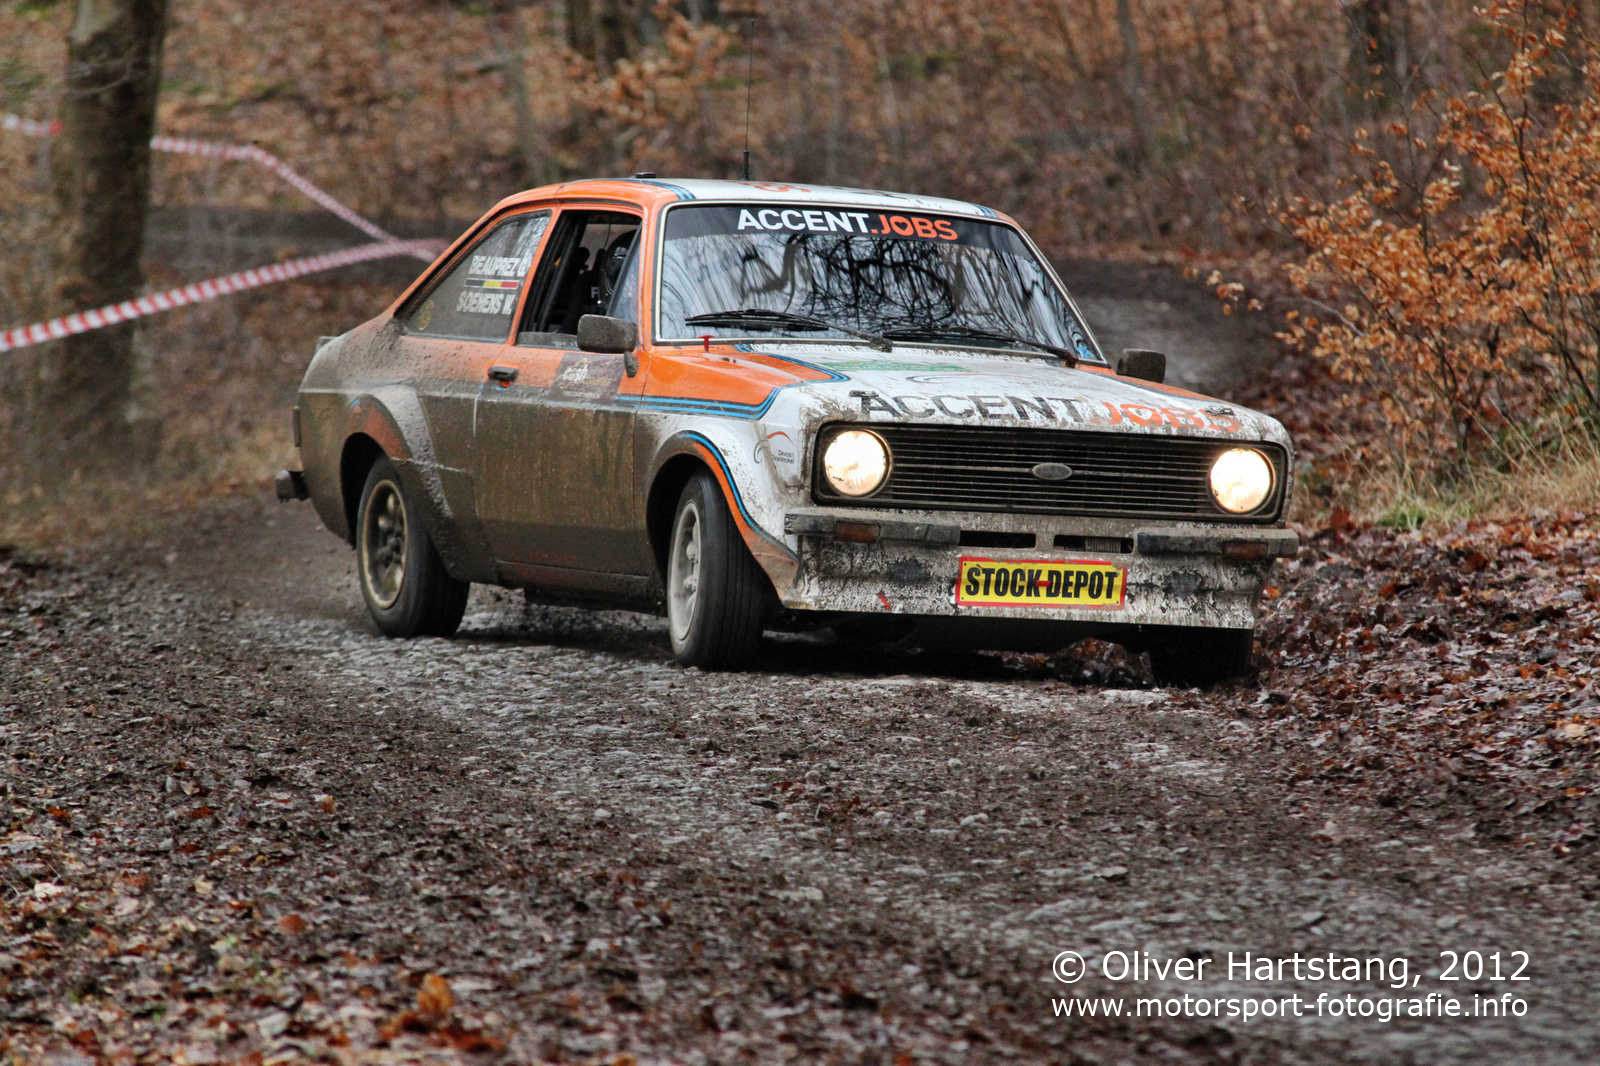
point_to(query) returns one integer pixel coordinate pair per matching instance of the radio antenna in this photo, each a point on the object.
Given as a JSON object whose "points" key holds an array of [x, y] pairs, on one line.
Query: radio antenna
{"points": [[749, 73]]}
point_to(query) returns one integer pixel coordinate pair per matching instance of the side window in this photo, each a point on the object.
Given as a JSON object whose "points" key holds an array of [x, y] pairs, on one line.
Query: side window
{"points": [[476, 298], [625, 299], [580, 274]]}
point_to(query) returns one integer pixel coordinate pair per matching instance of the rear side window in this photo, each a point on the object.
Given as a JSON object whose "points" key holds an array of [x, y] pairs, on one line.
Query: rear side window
{"points": [[476, 298]]}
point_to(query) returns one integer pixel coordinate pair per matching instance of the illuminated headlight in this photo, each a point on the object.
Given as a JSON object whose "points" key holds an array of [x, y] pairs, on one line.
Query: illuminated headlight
{"points": [[855, 462], [1241, 480]]}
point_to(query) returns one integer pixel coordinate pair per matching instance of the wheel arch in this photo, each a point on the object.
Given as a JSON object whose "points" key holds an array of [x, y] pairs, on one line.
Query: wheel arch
{"points": [[684, 455], [390, 423], [662, 502], [359, 454], [370, 432]]}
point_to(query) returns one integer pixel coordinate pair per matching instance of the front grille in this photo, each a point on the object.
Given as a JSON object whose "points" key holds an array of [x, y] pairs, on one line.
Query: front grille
{"points": [[1120, 475]]}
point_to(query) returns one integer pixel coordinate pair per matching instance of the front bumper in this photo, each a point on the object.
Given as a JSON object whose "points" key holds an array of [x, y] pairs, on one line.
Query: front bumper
{"points": [[1185, 575]]}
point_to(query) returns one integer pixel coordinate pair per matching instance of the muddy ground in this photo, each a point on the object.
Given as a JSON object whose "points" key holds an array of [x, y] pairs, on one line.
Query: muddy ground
{"points": [[240, 821], [240, 826]]}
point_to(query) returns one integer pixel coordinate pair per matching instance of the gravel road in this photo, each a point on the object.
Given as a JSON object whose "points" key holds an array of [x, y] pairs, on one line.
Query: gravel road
{"points": [[239, 822], [839, 856]]}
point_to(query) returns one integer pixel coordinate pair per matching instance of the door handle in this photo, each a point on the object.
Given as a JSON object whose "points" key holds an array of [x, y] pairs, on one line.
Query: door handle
{"points": [[505, 375]]}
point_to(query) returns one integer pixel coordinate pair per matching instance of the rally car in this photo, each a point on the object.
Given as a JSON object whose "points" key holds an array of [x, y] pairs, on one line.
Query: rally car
{"points": [[763, 405]]}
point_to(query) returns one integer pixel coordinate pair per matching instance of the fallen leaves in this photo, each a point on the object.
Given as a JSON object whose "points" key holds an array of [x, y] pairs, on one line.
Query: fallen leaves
{"points": [[434, 1001], [1470, 646], [433, 1018]]}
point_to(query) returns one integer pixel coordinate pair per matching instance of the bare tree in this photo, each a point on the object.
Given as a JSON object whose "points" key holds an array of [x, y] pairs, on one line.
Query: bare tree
{"points": [[606, 31], [1377, 29], [79, 407], [1133, 81], [1133, 87], [580, 27], [513, 65]]}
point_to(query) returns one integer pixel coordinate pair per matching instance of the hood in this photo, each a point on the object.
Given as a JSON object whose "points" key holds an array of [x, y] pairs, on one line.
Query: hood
{"points": [[963, 387]]}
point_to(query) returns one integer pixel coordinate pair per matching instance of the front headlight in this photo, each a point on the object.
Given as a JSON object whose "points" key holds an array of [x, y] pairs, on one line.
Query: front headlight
{"points": [[855, 462], [1241, 480]]}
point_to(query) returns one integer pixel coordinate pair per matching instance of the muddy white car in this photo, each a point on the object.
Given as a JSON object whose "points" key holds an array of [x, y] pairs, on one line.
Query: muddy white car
{"points": [[764, 405]]}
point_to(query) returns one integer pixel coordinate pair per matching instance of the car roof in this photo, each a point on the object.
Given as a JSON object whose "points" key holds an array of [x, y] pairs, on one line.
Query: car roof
{"points": [[654, 191]]}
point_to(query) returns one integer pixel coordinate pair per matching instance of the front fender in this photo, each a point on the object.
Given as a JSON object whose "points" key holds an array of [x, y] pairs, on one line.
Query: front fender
{"points": [[753, 494]]}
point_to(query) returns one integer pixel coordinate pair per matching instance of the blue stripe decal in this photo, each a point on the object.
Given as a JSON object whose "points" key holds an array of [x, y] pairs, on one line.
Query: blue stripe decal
{"points": [[734, 485], [989, 211], [833, 375], [683, 194], [727, 408], [711, 407]]}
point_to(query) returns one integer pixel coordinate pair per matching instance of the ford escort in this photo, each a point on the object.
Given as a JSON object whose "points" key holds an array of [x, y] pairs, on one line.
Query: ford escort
{"points": [[763, 405]]}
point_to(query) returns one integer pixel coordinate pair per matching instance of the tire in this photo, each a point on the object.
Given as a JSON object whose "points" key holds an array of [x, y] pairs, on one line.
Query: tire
{"points": [[1202, 657], [403, 581], [717, 597]]}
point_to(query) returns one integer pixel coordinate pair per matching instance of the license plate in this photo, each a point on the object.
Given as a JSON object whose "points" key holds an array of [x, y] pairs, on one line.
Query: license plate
{"points": [[1040, 583]]}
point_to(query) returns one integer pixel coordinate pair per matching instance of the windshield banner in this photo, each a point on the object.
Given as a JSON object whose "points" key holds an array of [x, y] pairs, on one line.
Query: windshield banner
{"points": [[698, 221]]}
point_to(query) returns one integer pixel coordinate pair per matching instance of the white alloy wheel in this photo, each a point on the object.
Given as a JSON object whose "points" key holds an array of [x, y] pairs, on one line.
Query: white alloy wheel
{"points": [[717, 597], [683, 572]]}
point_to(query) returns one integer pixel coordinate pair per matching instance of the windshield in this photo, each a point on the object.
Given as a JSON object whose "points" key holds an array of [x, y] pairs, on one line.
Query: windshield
{"points": [[921, 278]]}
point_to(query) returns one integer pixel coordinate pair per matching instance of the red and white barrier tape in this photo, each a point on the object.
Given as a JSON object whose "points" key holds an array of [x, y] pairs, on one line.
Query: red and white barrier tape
{"points": [[210, 289], [220, 150], [29, 126]]}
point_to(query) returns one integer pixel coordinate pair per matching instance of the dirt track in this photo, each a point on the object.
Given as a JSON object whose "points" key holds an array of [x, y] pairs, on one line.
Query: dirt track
{"points": [[836, 857], [239, 821]]}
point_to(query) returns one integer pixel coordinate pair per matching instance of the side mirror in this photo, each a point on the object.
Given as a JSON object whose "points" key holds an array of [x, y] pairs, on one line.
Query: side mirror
{"points": [[614, 336], [602, 333], [1142, 363]]}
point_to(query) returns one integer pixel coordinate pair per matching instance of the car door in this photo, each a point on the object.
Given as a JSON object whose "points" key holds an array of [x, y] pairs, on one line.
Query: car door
{"points": [[451, 331], [555, 462]]}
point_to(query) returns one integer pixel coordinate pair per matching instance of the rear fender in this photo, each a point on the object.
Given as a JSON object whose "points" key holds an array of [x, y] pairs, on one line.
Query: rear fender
{"points": [[392, 417]]}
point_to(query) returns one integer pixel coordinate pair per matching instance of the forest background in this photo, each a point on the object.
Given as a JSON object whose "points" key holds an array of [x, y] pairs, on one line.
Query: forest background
{"points": [[1404, 191]]}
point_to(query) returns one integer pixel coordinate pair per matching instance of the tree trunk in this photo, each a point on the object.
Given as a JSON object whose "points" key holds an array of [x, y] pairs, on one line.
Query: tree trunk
{"points": [[1133, 82], [604, 31], [580, 27], [513, 65], [1376, 28], [81, 410], [617, 31], [1138, 114]]}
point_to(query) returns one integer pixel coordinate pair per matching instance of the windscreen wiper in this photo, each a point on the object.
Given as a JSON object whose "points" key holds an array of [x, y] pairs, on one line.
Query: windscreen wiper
{"points": [[933, 331], [760, 317]]}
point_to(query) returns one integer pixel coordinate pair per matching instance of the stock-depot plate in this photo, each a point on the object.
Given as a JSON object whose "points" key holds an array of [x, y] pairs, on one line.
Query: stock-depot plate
{"points": [[1039, 583]]}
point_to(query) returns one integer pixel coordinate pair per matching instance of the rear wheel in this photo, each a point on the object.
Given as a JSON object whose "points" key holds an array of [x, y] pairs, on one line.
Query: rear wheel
{"points": [[403, 581], [1202, 657], [716, 594]]}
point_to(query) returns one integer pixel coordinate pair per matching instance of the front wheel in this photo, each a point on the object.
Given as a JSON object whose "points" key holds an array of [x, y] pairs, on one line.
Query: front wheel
{"points": [[1202, 657], [403, 581], [716, 594]]}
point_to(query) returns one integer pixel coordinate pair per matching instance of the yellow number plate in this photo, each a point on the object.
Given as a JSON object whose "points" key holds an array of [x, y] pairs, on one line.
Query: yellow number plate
{"points": [[1039, 583]]}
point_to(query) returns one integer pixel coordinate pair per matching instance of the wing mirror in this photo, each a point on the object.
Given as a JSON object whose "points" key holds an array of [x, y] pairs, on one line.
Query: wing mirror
{"points": [[614, 336], [1142, 363]]}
